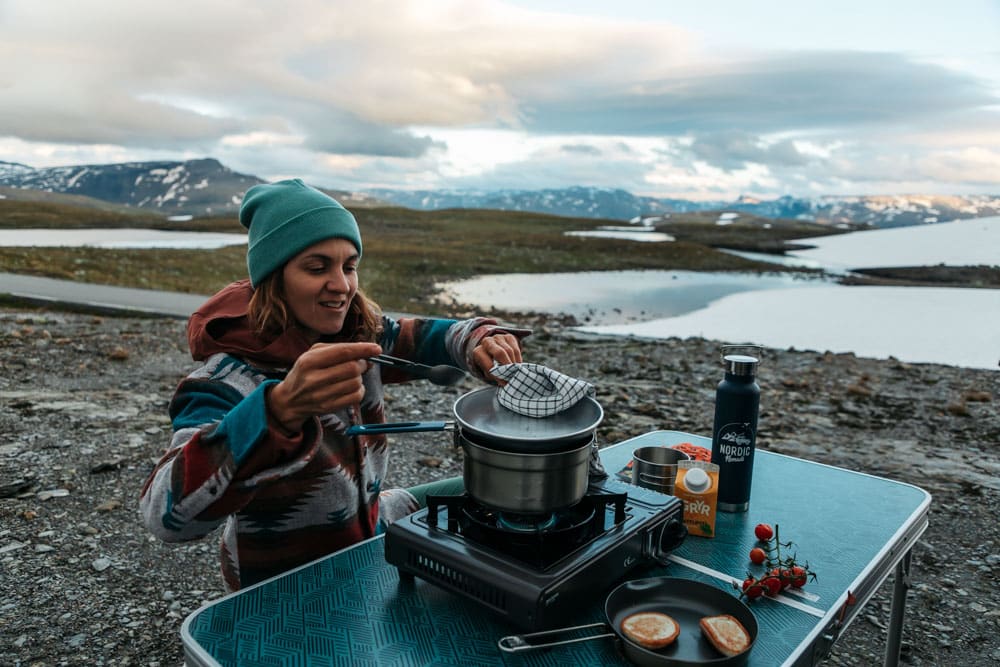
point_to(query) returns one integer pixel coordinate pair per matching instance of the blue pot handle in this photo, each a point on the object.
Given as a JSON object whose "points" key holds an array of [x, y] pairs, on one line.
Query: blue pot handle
{"points": [[399, 427]]}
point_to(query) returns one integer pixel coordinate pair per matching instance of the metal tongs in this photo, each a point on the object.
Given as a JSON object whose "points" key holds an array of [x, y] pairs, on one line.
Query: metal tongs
{"points": [[442, 374]]}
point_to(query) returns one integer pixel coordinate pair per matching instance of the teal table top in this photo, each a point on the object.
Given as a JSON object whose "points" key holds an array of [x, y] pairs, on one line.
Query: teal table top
{"points": [[352, 608]]}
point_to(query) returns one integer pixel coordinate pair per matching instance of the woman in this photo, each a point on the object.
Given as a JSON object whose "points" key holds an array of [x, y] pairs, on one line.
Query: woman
{"points": [[258, 441]]}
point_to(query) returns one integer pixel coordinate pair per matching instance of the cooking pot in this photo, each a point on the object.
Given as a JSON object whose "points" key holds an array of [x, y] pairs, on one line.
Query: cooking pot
{"points": [[686, 600], [526, 483], [514, 463], [481, 418]]}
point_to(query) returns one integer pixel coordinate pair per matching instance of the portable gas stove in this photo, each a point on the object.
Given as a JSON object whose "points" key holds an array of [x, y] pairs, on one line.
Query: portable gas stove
{"points": [[536, 571]]}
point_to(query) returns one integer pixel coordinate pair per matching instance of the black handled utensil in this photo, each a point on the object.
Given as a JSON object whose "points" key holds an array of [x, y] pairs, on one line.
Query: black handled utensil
{"points": [[442, 374]]}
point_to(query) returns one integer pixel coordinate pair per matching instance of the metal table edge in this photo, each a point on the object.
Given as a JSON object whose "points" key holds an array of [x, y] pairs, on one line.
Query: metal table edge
{"points": [[194, 654], [864, 587]]}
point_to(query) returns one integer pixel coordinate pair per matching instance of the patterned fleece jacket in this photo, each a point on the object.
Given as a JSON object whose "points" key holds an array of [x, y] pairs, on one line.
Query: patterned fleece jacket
{"points": [[284, 501]]}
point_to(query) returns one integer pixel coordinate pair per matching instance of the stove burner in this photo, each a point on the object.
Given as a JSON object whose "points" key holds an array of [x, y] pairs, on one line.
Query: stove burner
{"points": [[539, 540], [526, 523], [493, 526]]}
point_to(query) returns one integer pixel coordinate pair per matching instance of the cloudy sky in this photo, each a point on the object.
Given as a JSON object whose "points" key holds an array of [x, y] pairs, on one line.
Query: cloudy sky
{"points": [[706, 100]]}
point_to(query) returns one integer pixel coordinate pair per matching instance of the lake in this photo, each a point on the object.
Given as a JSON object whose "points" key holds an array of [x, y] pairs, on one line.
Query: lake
{"points": [[953, 326], [614, 297], [959, 327], [117, 238]]}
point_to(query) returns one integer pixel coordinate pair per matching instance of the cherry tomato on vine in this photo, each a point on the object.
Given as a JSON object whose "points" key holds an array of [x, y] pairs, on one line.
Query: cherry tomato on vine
{"points": [[784, 576], [763, 531], [758, 556], [752, 588], [798, 574], [773, 585]]}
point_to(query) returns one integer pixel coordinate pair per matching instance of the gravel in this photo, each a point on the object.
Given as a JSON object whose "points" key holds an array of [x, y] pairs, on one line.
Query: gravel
{"points": [[83, 419]]}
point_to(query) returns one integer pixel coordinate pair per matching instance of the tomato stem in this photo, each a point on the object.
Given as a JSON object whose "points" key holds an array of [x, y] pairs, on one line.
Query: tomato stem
{"points": [[777, 544], [783, 571]]}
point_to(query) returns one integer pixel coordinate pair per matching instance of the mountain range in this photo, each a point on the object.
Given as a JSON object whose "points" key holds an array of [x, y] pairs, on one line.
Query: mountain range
{"points": [[205, 187]]}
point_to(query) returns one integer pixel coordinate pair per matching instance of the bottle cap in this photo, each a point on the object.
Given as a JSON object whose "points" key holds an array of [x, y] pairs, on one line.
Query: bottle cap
{"points": [[741, 364], [697, 480]]}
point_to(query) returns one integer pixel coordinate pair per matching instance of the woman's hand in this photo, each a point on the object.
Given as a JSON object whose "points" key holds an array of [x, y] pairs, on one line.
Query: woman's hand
{"points": [[501, 349], [325, 378]]}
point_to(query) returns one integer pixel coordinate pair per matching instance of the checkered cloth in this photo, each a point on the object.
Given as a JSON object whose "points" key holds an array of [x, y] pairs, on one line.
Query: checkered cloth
{"points": [[533, 390]]}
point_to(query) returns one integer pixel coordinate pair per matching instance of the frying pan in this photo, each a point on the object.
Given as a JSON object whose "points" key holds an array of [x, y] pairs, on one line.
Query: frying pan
{"points": [[685, 600], [480, 418]]}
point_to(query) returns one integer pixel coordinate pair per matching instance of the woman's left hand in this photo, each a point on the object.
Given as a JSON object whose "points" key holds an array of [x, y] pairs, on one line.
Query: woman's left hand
{"points": [[500, 349]]}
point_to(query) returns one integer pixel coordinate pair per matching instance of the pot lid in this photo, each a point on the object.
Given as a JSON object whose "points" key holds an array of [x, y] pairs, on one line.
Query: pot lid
{"points": [[480, 412]]}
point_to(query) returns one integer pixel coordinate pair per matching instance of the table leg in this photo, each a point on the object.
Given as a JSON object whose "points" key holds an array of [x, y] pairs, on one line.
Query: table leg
{"points": [[900, 586]]}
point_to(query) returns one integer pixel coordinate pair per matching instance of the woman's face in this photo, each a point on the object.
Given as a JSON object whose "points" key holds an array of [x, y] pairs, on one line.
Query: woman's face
{"points": [[320, 283]]}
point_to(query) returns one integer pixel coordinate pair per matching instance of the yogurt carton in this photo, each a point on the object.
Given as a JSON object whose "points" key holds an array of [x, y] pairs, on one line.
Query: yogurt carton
{"points": [[697, 485]]}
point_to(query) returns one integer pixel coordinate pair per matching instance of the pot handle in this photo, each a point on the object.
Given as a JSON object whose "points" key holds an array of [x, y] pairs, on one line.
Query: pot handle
{"points": [[516, 643], [399, 427]]}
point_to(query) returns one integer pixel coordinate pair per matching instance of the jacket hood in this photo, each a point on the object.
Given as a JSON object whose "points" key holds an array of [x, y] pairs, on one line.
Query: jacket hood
{"points": [[221, 324]]}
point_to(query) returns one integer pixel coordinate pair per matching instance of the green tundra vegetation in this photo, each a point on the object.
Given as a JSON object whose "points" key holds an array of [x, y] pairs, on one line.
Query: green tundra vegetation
{"points": [[406, 251]]}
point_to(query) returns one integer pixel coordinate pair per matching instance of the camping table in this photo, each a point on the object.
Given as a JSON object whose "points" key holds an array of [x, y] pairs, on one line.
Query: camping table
{"points": [[352, 608]]}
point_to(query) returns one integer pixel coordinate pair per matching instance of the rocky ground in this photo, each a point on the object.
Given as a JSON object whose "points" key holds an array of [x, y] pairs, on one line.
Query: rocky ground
{"points": [[83, 417]]}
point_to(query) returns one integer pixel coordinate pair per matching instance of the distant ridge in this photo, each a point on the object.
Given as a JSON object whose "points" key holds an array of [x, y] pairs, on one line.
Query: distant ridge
{"points": [[614, 204], [195, 187], [205, 187]]}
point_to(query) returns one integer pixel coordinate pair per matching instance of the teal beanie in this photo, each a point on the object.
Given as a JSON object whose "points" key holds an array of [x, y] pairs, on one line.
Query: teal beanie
{"points": [[285, 218]]}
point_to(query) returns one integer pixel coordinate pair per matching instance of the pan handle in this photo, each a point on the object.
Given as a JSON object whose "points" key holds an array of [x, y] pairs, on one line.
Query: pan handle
{"points": [[399, 427], [516, 643]]}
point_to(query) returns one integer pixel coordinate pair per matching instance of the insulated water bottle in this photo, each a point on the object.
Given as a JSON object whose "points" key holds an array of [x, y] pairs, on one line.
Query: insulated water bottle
{"points": [[734, 434]]}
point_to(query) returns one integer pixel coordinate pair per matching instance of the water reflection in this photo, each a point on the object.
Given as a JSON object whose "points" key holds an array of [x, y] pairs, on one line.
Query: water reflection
{"points": [[913, 324], [625, 233], [780, 260], [118, 238], [612, 297]]}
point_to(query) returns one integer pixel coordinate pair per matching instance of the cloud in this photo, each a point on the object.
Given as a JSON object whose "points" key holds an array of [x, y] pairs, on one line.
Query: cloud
{"points": [[428, 93], [440, 63], [112, 119], [582, 149], [817, 90], [338, 132], [734, 149], [556, 170], [972, 165]]}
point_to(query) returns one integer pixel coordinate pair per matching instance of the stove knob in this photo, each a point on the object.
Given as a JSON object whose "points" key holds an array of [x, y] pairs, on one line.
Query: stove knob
{"points": [[671, 536]]}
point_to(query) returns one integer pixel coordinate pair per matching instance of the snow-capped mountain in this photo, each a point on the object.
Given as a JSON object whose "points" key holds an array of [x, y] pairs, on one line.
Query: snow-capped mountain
{"points": [[206, 187], [13, 169], [580, 202], [194, 187], [876, 211]]}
